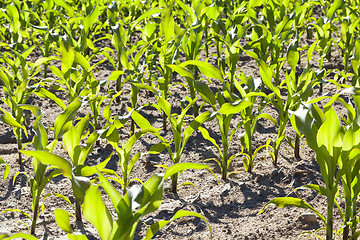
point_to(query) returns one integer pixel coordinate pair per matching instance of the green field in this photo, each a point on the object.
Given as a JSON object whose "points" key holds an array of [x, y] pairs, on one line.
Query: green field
{"points": [[202, 94]]}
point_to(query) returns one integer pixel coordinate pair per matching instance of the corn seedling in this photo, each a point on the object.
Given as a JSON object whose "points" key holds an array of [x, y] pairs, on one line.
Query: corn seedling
{"points": [[224, 115], [139, 201], [74, 169], [250, 116], [39, 180], [192, 76], [181, 136], [17, 88], [337, 154], [299, 88], [125, 161]]}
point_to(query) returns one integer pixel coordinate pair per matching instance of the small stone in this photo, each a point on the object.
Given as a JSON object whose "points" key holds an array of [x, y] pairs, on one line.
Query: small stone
{"points": [[308, 218], [274, 173]]}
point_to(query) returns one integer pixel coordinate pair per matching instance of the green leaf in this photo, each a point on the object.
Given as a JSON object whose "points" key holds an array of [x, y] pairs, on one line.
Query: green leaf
{"points": [[71, 140], [165, 106], [97, 213], [114, 195], [115, 75], [206, 135], [158, 148], [142, 122], [205, 68], [10, 120], [141, 199], [18, 211], [77, 237], [266, 74], [7, 168], [34, 109], [67, 54], [80, 59], [181, 71], [79, 185], [51, 159], [291, 201], [44, 60], [233, 108], [168, 25], [82, 170], [83, 124], [43, 93], [334, 6], [68, 8], [302, 122], [195, 124], [149, 195], [62, 220], [319, 189], [206, 94], [254, 3], [22, 236], [64, 121], [330, 139], [93, 16], [154, 228], [183, 166], [145, 15], [268, 117], [293, 55]]}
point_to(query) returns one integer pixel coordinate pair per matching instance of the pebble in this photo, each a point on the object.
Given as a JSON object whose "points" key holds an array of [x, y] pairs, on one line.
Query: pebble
{"points": [[274, 173], [308, 218]]}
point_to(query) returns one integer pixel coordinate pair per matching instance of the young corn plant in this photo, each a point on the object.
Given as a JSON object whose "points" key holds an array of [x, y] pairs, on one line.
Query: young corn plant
{"points": [[39, 180], [181, 135], [139, 201], [299, 88], [250, 116], [17, 88], [76, 73], [348, 37], [337, 153], [75, 169], [16, 27], [192, 76], [224, 115], [126, 162], [324, 27]]}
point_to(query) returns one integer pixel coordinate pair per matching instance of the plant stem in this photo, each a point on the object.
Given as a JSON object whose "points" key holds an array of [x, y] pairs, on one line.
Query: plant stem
{"points": [[174, 180], [297, 146], [354, 219], [35, 216], [118, 88], [276, 153], [164, 118], [78, 211], [206, 37], [45, 70], [329, 220], [224, 164], [19, 144], [132, 127]]}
